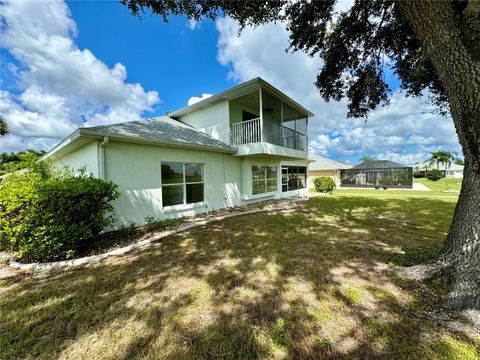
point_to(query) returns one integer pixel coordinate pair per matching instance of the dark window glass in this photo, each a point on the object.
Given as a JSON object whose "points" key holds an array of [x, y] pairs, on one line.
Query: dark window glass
{"points": [[294, 178], [181, 183], [271, 172], [258, 187], [194, 193], [172, 173], [193, 173], [172, 195], [258, 172], [271, 185]]}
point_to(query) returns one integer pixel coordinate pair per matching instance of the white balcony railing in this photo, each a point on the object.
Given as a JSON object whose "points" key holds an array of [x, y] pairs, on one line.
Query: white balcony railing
{"points": [[250, 131], [247, 132]]}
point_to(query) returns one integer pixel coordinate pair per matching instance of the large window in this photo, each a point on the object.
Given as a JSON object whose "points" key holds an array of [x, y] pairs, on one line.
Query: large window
{"points": [[294, 177], [264, 179], [182, 183]]}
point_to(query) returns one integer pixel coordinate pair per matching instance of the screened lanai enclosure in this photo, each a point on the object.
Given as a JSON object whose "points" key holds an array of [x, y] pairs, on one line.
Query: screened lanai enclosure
{"points": [[378, 174]]}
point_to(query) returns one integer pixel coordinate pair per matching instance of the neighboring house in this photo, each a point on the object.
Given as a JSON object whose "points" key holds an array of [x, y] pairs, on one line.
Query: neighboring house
{"points": [[322, 166], [246, 144], [454, 171], [378, 173]]}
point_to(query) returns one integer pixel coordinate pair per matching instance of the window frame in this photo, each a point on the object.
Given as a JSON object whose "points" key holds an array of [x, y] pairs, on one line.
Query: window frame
{"points": [[265, 179], [184, 183]]}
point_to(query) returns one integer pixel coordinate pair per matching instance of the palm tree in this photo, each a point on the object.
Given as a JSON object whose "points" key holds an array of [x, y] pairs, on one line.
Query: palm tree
{"points": [[367, 158], [442, 156], [3, 126]]}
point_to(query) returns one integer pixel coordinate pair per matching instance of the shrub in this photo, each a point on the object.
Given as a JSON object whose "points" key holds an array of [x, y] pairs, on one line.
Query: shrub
{"points": [[48, 214], [324, 184], [434, 174], [417, 173]]}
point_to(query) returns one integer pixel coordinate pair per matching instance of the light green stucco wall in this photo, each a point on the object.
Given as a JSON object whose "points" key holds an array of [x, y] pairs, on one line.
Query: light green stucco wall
{"points": [[86, 156], [136, 169], [213, 120]]}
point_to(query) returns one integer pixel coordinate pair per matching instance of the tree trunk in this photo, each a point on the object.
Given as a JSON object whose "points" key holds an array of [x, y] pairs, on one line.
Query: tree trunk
{"points": [[447, 39], [461, 251]]}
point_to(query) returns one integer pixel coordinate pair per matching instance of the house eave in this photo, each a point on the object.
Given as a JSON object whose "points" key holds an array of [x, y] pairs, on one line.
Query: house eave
{"points": [[237, 91]]}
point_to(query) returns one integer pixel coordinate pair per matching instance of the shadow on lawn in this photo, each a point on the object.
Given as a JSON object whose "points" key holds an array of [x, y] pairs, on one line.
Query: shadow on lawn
{"points": [[311, 284]]}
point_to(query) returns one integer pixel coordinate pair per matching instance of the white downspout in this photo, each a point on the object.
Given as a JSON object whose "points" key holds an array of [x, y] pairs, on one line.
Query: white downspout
{"points": [[102, 158]]}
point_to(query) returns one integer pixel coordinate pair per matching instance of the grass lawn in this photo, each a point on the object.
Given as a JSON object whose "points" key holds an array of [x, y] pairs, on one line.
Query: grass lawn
{"points": [[316, 282], [442, 184], [395, 193]]}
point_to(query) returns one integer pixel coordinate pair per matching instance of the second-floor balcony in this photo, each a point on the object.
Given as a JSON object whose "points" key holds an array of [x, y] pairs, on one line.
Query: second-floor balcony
{"points": [[254, 131], [261, 121]]}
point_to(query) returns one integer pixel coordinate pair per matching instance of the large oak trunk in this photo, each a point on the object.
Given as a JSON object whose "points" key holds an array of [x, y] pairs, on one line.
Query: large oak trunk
{"points": [[461, 251], [451, 41]]}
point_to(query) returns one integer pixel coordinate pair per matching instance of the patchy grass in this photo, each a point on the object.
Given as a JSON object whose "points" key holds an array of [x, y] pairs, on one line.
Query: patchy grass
{"points": [[353, 294], [315, 282], [453, 349], [442, 184]]}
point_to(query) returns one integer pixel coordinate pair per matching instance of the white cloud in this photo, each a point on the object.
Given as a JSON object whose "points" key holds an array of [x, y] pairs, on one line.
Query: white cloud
{"points": [[405, 130], [193, 24], [61, 86], [195, 99]]}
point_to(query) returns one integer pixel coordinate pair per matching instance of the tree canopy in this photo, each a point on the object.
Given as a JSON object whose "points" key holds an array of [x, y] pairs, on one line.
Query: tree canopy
{"points": [[359, 47], [3, 126]]}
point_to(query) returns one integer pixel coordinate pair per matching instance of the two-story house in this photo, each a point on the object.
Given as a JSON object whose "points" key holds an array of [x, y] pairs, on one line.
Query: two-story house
{"points": [[245, 144]]}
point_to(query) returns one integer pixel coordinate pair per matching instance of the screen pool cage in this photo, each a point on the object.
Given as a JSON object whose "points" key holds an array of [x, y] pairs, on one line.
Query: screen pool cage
{"points": [[378, 174]]}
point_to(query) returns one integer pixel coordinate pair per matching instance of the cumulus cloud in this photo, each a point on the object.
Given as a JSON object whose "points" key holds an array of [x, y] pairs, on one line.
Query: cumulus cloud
{"points": [[195, 99], [60, 87], [406, 130]]}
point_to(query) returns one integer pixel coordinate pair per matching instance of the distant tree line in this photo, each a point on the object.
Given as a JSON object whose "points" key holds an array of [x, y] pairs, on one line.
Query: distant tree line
{"points": [[20, 160]]}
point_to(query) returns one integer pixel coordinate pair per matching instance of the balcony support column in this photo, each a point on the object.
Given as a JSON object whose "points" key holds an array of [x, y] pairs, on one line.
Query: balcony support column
{"points": [[261, 117], [281, 125]]}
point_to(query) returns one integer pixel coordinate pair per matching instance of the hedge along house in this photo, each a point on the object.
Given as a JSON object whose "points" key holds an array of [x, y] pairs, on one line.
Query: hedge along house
{"points": [[244, 145], [378, 173]]}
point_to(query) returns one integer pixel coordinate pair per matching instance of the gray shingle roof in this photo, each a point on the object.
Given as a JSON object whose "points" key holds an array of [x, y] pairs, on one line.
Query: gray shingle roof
{"points": [[378, 164], [163, 129], [323, 163]]}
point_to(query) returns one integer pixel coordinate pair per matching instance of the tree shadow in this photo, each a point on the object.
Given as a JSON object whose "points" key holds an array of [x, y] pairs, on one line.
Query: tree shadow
{"points": [[314, 283]]}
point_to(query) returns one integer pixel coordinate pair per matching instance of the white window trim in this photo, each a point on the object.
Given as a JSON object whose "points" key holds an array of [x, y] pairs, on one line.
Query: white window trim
{"points": [[183, 205]]}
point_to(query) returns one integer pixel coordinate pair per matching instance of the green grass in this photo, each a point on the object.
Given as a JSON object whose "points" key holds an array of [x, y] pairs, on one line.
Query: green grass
{"points": [[396, 193], [308, 284], [442, 184]]}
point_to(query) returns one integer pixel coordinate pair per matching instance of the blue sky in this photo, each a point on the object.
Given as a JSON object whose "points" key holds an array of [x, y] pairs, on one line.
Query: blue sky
{"points": [[65, 65], [166, 57]]}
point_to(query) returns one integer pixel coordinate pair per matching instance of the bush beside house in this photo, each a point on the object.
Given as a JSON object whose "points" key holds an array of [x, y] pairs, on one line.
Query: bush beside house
{"points": [[48, 214], [434, 174], [324, 184]]}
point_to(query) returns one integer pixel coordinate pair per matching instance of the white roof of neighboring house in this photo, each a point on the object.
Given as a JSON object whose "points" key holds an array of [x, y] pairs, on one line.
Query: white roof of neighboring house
{"points": [[441, 166], [323, 163]]}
